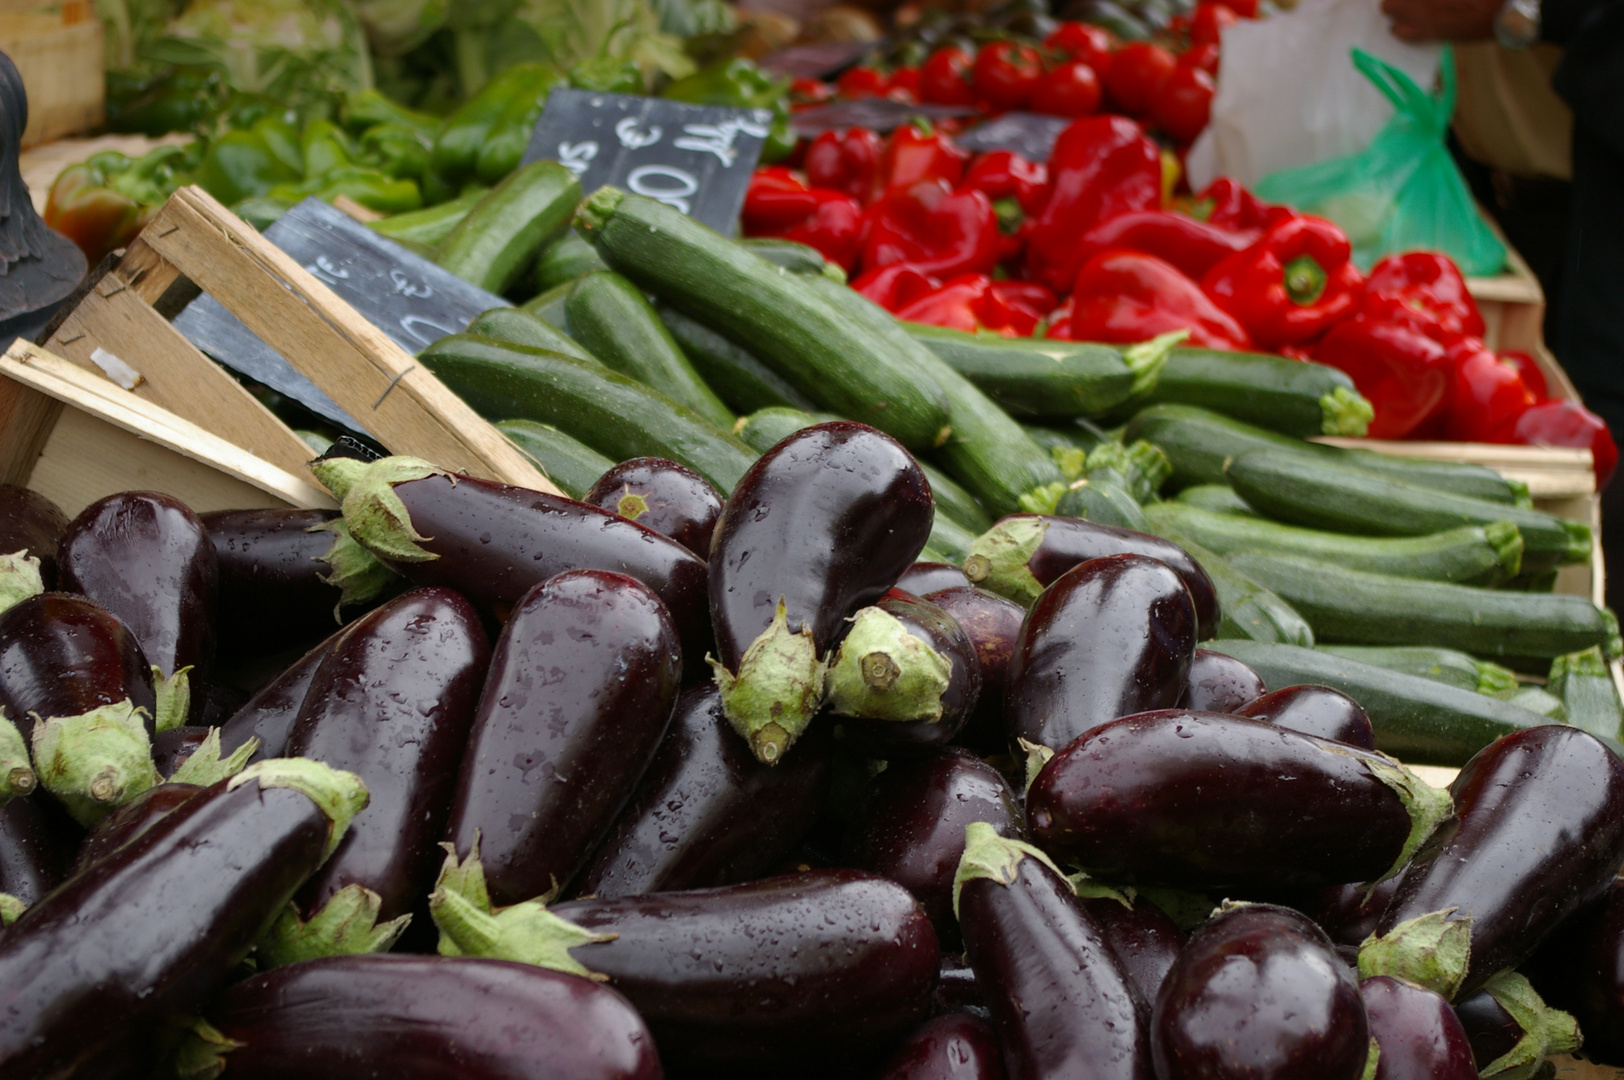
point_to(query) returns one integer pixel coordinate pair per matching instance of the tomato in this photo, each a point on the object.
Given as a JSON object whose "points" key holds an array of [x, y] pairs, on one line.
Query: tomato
{"points": [[944, 78], [1080, 41], [1006, 73], [904, 82], [1138, 71], [1204, 57], [1209, 21], [1072, 89], [861, 82], [1246, 9], [1185, 103]]}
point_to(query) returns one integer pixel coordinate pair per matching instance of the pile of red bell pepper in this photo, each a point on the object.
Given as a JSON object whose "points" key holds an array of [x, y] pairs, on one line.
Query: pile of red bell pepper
{"points": [[1092, 247]]}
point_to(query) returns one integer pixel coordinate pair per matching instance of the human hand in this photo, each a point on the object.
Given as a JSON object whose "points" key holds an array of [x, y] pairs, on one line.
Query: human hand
{"points": [[1441, 20]]}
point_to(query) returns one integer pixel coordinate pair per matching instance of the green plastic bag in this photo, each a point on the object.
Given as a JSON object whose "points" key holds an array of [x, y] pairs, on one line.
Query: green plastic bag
{"points": [[1403, 191]]}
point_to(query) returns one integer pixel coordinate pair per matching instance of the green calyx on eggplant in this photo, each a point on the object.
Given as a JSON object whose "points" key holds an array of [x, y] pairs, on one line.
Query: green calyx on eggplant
{"points": [[347, 925], [355, 572], [1580, 968], [17, 777], [10, 909], [373, 513], [1509, 1004], [997, 858], [20, 578], [778, 688], [94, 762], [881, 671], [205, 765], [662, 495]]}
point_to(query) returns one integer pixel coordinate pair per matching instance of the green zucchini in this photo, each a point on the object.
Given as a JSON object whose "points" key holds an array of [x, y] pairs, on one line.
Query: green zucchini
{"points": [[499, 238], [1430, 662], [1586, 688], [431, 225], [792, 255], [519, 327], [1272, 392], [1293, 488], [824, 353], [1248, 610], [1140, 469], [564, 260], [573, 465], [743, 383], [1065, 437], [1104, 502], [614, 320], [1362, 608], [1536, 700], [949, 541], [549, 306], [1471, 553], [1420, 721], [1218, 498], [616, 416]]}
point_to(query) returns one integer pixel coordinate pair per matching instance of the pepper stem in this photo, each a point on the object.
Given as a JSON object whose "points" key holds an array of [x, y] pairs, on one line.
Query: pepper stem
{"points": [[347, 925], [1305, 280]]}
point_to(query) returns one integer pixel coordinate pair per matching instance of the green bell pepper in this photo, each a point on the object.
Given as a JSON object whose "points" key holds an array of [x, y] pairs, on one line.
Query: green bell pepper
{"points": [[741, 84], [370, 108]]}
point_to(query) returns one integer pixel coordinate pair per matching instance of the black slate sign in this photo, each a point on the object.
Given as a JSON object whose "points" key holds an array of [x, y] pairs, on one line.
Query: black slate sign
{"points": [[406, 296], [697, 158], [1031, 135]]}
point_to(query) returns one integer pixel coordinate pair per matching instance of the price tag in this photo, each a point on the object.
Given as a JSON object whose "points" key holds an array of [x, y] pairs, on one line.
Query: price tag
{"points": [[697, 158], [406, 296], [1031, 135]]}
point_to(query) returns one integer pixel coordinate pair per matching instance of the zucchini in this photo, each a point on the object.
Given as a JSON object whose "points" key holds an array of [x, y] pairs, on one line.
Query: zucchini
{"points": [[549, 306], [1248, 610], [1293, 488], [1102, 501], [1430, 662], [1536, 700], [564, 260], [743, 383], [616, 416], [792, 255], [1273, 392], [949, 541], [1218, 498], [614, 320], [518, 327], [1065, 437], [431, 225], [824, 353], [1588, 693], [1362, 608], [499, 238], [1471, 553], [571, 464], [1419, 721]]}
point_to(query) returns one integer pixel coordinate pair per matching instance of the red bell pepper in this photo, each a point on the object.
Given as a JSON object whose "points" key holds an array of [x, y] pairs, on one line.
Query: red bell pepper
{"points": [[1082, 41], [862, 82], [1568, 423], [917, 152], [1533, 376], [1487, 397], [775, 199], [1184, 104], [835, 227], [1071, 88], [1006, 73], [1210, 21], [1231, 206], [944, 77], [903, 85], [1193, 246], [1004, 174], [1400, 369], [896, 286], [1101, 166], [777, 203], [804, 92], [1291, 285], [973, 302], [934, 229], [1125, 296], [1431, 282], [847, 161]]}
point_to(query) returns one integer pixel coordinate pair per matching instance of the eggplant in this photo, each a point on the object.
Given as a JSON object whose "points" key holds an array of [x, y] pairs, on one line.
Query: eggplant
{"points": [[957, 989], [956, 1046], [1580, 968], [1145, 938], [662, 495], [905, 679], [220, 703], [1538, 831], [103, 975], [33, 847], [1512, 1031], [131, 820], [1259, 992], [269, 714], [992, 624], [708, 813], [1418, 1036], [341, 1017], [1023, 554], [1111, 637], [821, 525], [579, 693], [1349, 913], [31, 527], [493, 542], [1061, 1002], [1314, 710], [393, 703], [1209, 801], [171, 749], [923, 578], [1219, 683]]}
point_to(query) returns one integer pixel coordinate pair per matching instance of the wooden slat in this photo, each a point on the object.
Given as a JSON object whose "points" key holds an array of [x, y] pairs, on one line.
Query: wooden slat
{"points": [[26, 419]]}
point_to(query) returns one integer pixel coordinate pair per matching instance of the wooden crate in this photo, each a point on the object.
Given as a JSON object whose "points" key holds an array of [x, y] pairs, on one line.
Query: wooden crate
{"points": [[59, 55]]}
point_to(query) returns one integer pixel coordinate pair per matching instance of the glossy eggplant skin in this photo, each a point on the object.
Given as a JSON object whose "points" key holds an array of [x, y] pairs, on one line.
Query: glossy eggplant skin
{"points": [[910, 826], [131, 820], [1349, 913], [923, 578], [580, 690], [1111, 637], [393, 703], [1490, 1030], [1580, 968], [993, 624], [273, 588], [1538, 831], [1314, 710], [32, 848], [707, 812], [785, 972], [342, 1017], [956, 1046], [826, 521], [146, 558], [171, 748], [269, 714], [31, 522], [61, 655], [957, 989], [112, 966], [1145, 938], [1061, 1002], [662, 495], [887, 739], [1205, 800], [1219, 683], [1259, 988], [1420, 1036]]}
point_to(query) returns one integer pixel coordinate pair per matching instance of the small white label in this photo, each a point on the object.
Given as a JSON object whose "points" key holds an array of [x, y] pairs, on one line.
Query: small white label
{"points": [[116, 369]]}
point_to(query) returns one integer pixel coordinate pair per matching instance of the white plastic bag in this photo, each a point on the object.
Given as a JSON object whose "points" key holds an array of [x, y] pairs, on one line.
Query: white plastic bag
{"points": [[1288, 94]]}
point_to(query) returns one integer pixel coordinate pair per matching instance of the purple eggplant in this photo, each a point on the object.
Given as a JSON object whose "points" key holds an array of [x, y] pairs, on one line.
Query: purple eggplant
{"points": [[957, 989], [33, 846], [910, 827], [1538, 831], [923, 578], [993, 625], [131, 820], [1061, 1002], [1511, 1030], [171, 748], [420, 1016], [104, 974], [393, 703], [1314, 710], [662, 495], [1219, 683], [708, 813], [822, 525], [1205, 800], [1418, 1036], [579, 693], [31, 525], [1580, 968], [493, 543], [1260, 993], [905, 679], [1023, 554], [221, 702], [269, 714], [1349, 913], [956, 1046], [1112, 637], [1145, 938]]}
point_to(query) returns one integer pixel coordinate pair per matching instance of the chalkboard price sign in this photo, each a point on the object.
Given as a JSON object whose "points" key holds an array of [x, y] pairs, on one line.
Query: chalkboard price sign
{"points": [[696, 158]]}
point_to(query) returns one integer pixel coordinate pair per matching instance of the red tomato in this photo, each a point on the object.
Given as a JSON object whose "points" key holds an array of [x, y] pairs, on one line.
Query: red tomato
{"points": [[944, 78], [1072, 89], [1006, 73], [1185, 103], [1204, 57], [861, 82], [1080, 41], [1246, 9], [1209, 21], [1138, 71], [904, 80]]}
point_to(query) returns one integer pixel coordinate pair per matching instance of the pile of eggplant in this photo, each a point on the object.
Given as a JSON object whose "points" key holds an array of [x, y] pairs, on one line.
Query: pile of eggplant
{"points": [[471, 780]]}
